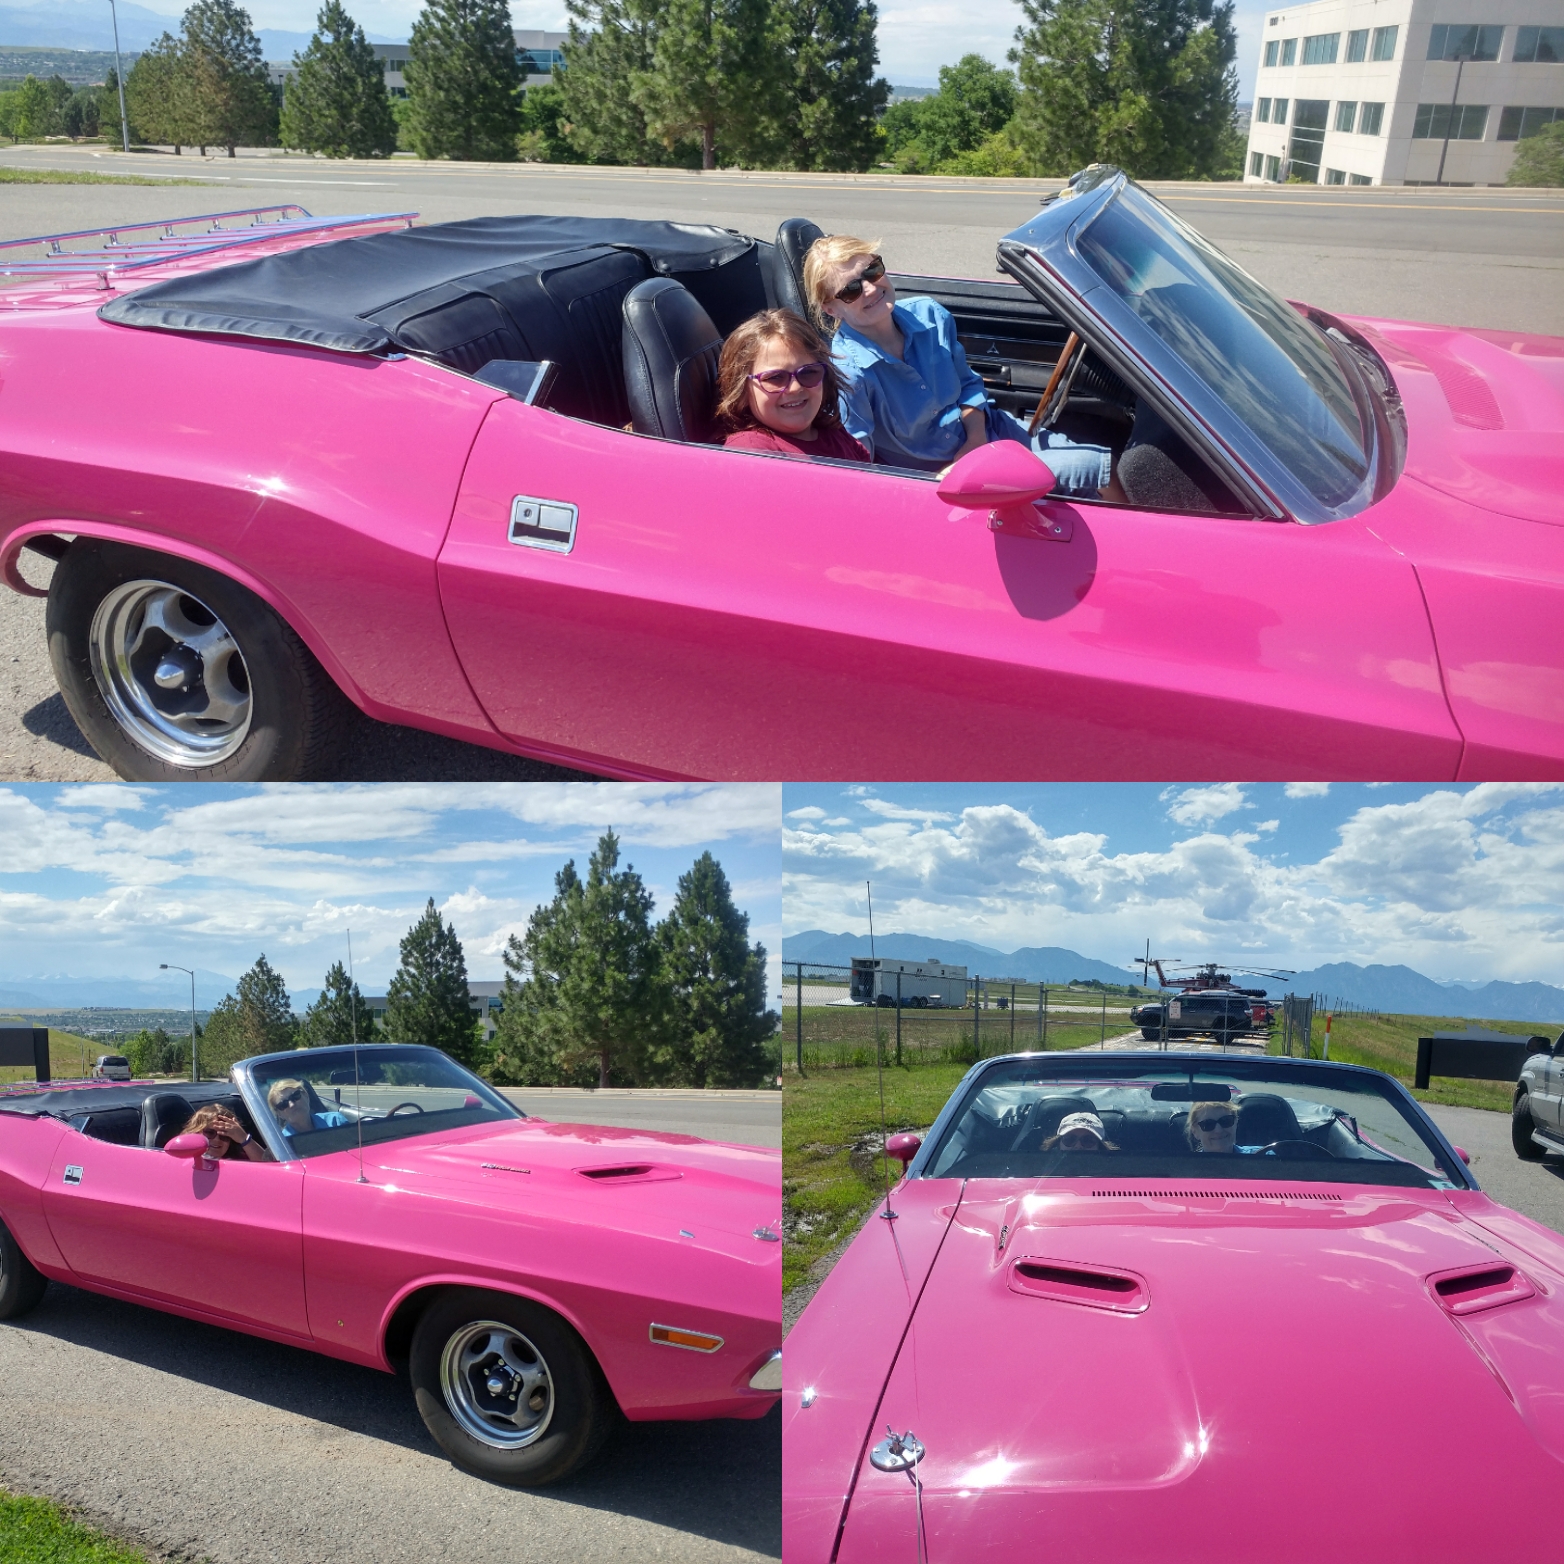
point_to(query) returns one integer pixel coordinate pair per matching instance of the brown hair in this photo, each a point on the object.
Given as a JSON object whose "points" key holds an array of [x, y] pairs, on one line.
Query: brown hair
{"points": [[201, 1121], [742, 348], [825, 255]]}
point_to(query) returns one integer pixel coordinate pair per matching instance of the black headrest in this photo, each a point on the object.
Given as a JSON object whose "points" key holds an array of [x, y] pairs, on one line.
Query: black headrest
{"points": [[163, 1116], [793, 240], [1264, 1117], [671, 350]]}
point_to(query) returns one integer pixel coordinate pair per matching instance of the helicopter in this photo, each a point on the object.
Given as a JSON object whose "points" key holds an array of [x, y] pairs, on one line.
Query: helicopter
{"points": [[1209, 977]]}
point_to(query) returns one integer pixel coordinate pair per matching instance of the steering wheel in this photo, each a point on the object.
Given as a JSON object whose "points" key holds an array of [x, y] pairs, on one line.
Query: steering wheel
{"points": [[1297, 1151], [414, 1106], [1069, 361]]}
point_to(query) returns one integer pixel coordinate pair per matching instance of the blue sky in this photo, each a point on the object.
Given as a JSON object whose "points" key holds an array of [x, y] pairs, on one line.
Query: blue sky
{"points": [[1459, 882], [109, 880]]}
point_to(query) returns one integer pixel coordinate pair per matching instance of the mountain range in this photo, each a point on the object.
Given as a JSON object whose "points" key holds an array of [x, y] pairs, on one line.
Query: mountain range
{"points": [[163, 991], [85, 24], [1398, 990]]}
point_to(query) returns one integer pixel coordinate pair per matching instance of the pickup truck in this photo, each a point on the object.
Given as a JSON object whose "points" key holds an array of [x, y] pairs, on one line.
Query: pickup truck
{"points": [[1537, 1117]]}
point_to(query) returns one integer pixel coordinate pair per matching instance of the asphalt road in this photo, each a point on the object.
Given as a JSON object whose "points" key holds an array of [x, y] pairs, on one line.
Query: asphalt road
{"points": [[207, 1444], [1490, 257], [748, 1118]]}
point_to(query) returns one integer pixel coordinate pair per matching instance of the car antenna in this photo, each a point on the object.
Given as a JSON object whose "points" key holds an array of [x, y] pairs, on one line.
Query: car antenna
{"points": [[887, 1214], [358, 1096]]}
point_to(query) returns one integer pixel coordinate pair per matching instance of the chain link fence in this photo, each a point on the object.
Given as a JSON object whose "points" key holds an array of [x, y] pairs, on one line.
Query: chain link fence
{"points": [[823, 1027]]}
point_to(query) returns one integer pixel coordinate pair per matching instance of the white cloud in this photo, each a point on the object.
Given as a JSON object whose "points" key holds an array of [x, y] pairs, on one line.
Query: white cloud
{"points": [[102, 795], [808, 812], [1306, 789], [890, 811], [1269, 825], [1202, 805]]}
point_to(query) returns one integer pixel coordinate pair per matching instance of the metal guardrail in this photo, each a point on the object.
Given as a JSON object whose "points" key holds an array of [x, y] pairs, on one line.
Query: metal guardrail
{"points": [[173, 239]]}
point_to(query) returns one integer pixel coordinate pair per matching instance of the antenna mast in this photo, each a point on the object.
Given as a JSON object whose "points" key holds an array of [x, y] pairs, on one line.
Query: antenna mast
{"points": [[869, 892], [358, 1095]]}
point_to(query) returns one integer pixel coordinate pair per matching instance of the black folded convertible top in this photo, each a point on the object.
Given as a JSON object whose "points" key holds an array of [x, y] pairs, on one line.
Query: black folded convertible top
{"points": [[326, 295], [62, 1102]]}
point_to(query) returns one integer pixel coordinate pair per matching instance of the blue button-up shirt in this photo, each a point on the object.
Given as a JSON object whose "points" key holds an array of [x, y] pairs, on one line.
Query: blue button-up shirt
{"points": [[911, 406]]}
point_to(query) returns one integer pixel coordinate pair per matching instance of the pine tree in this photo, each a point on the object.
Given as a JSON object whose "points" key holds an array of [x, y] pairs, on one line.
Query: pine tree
{"points": [[337, 101], [718, 981], [339, 1016], [836, 97], [227, 95], [585, 992], [1146, 84], [611, 44], [463, 83], [155, 98], [258, 1019], [428, 1001], [714, 77]]}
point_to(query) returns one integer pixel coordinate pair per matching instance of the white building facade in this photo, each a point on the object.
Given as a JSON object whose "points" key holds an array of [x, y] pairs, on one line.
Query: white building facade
{"points": [[1403, 92]]}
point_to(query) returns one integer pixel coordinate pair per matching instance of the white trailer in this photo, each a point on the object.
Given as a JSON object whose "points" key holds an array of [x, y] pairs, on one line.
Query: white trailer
{"points": [[923, 983]]}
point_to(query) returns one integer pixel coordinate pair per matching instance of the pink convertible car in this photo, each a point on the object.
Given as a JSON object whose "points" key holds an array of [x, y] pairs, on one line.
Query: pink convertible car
{"points": [[536, 1280], [462, 476], [1175, 1308]]}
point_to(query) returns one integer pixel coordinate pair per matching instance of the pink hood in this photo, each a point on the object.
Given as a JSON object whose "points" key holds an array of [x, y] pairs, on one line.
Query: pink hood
{"points": [[1286, 1371]]}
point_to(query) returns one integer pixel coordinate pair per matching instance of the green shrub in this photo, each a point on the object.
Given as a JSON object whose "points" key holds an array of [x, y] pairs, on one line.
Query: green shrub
{"points": [[1539, 159]]}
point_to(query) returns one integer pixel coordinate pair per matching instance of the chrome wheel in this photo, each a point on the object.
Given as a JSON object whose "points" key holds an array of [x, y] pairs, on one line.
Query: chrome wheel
{"points": [[171, 673], [497, 1385]]}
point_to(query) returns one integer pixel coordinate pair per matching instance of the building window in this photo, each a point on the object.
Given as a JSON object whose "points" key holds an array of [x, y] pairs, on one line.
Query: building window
{"points": [[1262, 111], [1273, 169], [1279, 112], [1359, 179], [1460, 121], [1464, 41], [1370, 118], [1539, 45], [1256, 164], [1357, 46], [1335, 176], [1289, 51], [1516, 124], [1270, 52], [1345, 114], [1321, 49], [1308, 138], [1384, 43]]}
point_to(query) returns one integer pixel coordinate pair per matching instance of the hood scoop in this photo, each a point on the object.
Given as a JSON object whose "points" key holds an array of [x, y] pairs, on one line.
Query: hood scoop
{"points": [[1096, 1287], [1214, 1194], [629, 1173], [1473, 1289]]}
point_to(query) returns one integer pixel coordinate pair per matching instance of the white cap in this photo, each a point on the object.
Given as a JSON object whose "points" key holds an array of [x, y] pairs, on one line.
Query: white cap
{"points": [[1082, 1121]]}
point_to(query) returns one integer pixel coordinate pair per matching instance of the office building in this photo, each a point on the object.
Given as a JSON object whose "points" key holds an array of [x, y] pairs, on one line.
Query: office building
{"points": [[1403, 92]]}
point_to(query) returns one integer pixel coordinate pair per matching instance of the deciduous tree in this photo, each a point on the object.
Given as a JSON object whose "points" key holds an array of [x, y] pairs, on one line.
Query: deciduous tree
{"points": [[718, 984], [336, 102], [1539, 159], [427, 1001], [463, 83], [1146, 84]]}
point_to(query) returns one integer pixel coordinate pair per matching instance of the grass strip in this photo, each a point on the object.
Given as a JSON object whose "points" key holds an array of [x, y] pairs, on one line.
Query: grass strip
{"points": [[37, 1531], [60, 176]]}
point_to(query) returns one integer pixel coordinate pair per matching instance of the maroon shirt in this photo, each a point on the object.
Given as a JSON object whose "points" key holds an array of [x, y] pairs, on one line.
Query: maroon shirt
{"points": [[834, 443]]}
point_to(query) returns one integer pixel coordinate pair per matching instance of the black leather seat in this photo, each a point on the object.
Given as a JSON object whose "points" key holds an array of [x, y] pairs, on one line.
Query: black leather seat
{"points": [[163, 1116], [671, 351], [1264, 1118], [793, 240]]}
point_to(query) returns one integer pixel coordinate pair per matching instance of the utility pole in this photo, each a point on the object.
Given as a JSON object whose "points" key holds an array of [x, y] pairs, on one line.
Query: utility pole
{"points": [[124, 131], [1460, 61]]}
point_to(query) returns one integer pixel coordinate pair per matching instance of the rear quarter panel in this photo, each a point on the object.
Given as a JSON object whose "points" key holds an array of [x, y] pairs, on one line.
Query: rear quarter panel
{"points": [[27, 1147]]}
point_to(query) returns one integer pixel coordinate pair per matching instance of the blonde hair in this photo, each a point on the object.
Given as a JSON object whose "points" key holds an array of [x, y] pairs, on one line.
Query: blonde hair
{"points": [[280, 1089], [1200, 1108], [825, 255]]}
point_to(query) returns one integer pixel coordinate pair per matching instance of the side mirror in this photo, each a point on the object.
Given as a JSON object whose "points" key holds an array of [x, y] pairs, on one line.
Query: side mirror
{"points": [[186, 1146], [1003, 477], [903, 1146], [1463, 1154]]}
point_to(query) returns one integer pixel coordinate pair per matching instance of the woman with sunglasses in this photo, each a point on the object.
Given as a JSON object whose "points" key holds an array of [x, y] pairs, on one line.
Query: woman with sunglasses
{"points": [[777, 390], [290, 1101], [909, 397], [225, 1137], [1212, 1126]]}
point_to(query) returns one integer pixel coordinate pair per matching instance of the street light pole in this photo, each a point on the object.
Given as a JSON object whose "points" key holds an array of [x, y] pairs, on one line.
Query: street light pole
{"points": [[194, 1072], [1460, 61], [124, 130]]}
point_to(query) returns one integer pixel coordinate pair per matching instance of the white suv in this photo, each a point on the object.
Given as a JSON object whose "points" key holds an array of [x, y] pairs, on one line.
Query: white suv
{"points": [[111, 1067], [1537, 1118]]}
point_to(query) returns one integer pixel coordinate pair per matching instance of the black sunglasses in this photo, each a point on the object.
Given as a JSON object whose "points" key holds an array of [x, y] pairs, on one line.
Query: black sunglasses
{"points": [[871, 273], [1227, 1121], [294, 1096]]}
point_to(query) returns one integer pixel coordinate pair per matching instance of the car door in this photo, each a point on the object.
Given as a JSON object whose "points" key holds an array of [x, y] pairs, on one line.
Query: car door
{"points": [[223, 1238], [688, 610]]}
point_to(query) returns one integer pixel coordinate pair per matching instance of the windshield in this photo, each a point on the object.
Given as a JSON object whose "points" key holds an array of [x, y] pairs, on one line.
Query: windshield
{"points": [[1270, 367], [319, 1098], [1208, 1119]]}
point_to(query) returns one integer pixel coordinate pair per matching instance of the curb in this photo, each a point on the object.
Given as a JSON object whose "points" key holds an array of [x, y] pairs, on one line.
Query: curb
{"points": [[661, 1093]]}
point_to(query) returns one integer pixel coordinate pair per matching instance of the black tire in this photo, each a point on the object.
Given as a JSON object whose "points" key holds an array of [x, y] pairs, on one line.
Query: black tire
{"points": [[576, 1411], [293, 715], [1520, 1131], [21, 1284], [1151, 1033]]}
